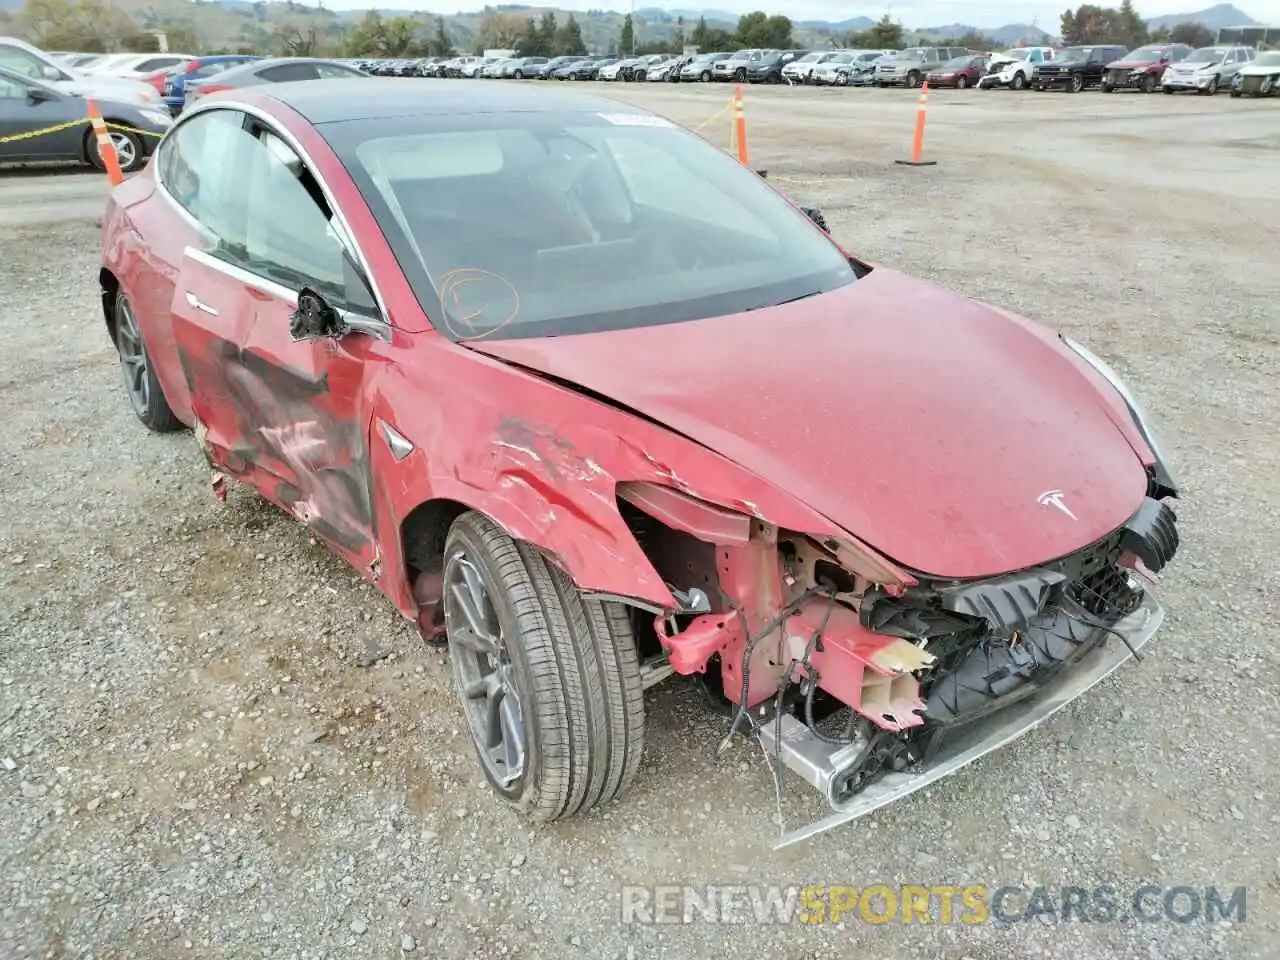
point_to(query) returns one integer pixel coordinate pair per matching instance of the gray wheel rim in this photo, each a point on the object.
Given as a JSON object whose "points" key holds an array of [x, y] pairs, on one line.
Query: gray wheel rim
{"points": [[133, 357], [126, 152], [483, 670]]}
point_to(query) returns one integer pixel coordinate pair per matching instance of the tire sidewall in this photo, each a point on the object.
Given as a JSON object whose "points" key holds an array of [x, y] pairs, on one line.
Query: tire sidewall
{"points": [[524, 792]]}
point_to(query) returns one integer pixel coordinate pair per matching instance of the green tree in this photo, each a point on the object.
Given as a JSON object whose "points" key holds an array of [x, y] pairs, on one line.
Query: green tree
{"points": [[758, 29], [89, 25], [627, 38], [182, 39], [1192, 34], [569, 40], [440, 45], [1130, 28], [369, 38]]}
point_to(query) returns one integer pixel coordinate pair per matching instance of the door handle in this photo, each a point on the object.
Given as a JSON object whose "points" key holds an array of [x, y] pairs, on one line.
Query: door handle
{"points": [[195, 303]]}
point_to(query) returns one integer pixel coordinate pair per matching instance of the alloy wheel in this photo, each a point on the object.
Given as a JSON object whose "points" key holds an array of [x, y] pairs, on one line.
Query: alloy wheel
{"points": [[133, 357], [126, 152], [484, 672]]}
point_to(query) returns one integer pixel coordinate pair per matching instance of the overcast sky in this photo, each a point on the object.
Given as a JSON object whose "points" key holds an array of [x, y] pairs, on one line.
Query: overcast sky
{"points": [[913, 13]]}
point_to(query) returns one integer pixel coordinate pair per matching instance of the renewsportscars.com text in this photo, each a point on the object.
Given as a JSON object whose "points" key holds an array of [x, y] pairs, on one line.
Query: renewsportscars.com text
{"points": [[966, 904]]}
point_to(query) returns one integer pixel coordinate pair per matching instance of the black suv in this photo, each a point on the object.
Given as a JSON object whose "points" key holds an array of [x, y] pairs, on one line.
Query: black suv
{"points": [[768, 69], [1076, 68]]}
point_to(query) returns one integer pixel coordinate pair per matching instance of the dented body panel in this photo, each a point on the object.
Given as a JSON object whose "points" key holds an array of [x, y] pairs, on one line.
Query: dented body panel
{"points": [[830, 497]]}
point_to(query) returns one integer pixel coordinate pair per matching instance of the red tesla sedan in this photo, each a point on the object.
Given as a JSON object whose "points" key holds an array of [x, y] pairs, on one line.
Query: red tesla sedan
{"points": [[593, 404]]}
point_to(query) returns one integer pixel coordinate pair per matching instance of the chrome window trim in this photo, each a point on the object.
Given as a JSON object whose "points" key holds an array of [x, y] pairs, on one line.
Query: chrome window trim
{"points": [[340, 221], [374, 327]]}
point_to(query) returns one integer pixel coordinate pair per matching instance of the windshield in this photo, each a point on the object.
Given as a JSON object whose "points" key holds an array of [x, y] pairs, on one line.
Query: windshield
{"points": [[957, 63], [915, 53], [1207, 55], [1144, 54], [1014, 55], [810, 58], [840, 58], [1074, 53], [539, 224]]}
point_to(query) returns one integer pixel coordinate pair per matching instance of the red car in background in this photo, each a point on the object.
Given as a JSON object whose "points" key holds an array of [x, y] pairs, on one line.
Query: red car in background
{"points": [[592, 404], [959, 72]]}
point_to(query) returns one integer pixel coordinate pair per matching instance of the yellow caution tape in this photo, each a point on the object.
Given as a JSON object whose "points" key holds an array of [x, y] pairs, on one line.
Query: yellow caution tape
{"points": [[47, 130], [32, 134], [715, 116], [128, 129]]}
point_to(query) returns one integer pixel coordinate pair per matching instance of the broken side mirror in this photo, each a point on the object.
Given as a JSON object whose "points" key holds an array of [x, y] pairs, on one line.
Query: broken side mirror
{"points": [[314, 318]]}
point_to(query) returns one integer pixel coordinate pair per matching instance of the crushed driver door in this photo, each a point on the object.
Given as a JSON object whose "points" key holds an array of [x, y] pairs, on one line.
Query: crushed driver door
{"points": [[211, 319]]}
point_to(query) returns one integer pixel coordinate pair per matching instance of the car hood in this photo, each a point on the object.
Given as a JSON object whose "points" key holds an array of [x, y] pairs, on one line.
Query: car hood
{"points": [[925, 423], [1258, 70], [1195, 64], [1133, 64]]}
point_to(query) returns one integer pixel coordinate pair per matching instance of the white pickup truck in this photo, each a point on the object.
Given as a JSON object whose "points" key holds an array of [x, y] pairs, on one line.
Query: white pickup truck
{"points": [[1015, 68]]}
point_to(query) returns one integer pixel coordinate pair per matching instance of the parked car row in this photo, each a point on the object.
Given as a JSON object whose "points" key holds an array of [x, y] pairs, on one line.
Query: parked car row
{"points": [[1170, 67]]}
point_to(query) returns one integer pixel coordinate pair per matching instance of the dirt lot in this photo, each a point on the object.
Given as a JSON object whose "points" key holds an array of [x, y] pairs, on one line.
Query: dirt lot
{"points": [[195, 760]]}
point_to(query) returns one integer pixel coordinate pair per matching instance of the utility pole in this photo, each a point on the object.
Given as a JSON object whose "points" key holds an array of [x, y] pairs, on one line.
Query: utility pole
{"points": [[633, 28]]}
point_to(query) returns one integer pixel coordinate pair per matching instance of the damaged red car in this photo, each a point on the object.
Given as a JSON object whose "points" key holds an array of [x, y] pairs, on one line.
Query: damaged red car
{"points": [[593, 404]]}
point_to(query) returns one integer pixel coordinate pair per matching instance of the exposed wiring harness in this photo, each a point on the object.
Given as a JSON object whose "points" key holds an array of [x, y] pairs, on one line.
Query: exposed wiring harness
{"points": [[742, 713]]}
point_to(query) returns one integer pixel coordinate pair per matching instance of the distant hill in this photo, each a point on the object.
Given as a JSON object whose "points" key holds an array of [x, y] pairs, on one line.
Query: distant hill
{"points": [[229, 24], [1216, 17]]}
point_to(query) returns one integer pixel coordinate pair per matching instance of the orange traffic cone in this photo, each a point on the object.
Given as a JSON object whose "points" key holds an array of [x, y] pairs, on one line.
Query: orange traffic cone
{"points": [[740, 127], [106, 149], [917, 145]]}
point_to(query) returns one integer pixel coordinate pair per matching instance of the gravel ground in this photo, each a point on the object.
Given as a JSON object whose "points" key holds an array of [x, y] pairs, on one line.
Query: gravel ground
{"points": [[204, 751]]}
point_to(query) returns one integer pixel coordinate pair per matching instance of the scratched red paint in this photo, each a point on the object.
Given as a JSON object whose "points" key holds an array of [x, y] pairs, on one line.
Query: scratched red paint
{"points": [[889, 413]]}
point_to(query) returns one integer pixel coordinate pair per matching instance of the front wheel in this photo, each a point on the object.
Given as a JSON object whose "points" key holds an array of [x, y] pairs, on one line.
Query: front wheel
{"points": [[549, 681], [1212, 89], [705, 76], [1235, 93], [1077, 83], [1018, 81], [519, 74], [842, 79], [913, 80], [1167, 90], [962, 83], [1149, 84], [639, 76], [1108, 88]]}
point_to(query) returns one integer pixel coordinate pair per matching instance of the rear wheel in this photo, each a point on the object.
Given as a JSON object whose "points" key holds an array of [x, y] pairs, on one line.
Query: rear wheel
{"points": [[140, 383], [549, 681]]}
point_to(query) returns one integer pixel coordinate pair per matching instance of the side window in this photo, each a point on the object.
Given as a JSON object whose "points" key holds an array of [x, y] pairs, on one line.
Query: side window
{"points": [[290, 71], [155, 63], [326, 70], [201, 166], [11, 89], [289, 239], [24, 62]]}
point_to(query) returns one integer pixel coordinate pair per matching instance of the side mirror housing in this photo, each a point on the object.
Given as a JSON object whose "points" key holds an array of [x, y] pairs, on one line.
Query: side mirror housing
{"points": [[39, 95]]}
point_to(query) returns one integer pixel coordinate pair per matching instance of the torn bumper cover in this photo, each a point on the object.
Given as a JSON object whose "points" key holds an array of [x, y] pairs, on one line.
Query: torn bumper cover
{"points": [[826, 766]]}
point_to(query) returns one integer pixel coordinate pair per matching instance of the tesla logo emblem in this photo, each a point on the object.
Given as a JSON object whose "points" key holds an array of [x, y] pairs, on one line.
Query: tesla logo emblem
{"points": [[1053, 498]]}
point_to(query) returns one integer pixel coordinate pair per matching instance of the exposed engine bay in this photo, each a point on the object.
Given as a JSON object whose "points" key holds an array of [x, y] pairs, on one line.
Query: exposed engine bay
{"points": [[849, 672]]}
